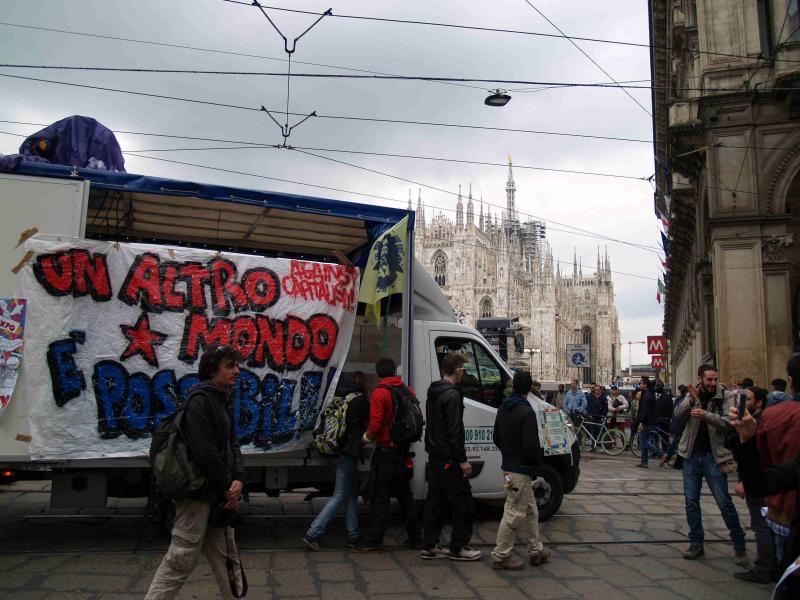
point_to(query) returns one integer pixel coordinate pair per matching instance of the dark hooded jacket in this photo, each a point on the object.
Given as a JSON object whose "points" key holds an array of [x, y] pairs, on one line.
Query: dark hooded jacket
{"points": [[208, 432], [516, 434], [356, 419], [444, 422]]}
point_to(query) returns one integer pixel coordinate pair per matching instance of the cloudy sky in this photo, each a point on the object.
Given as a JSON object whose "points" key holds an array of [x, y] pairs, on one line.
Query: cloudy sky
{"points": [[606, 206]]}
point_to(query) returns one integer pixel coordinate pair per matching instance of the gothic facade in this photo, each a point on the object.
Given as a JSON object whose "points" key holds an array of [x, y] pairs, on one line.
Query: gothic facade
{"points": [[496, 266]]}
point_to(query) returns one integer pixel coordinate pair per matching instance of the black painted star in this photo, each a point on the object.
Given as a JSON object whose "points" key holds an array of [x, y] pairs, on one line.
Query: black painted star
{"points": [[142, 340]]}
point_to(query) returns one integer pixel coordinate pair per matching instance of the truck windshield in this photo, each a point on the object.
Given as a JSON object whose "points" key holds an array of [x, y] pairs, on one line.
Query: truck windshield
{"points": [[483, 381]]}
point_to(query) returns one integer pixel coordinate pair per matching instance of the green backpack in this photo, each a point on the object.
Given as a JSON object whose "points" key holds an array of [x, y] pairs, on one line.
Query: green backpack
{"points": [[176, 474], [330, 434]]}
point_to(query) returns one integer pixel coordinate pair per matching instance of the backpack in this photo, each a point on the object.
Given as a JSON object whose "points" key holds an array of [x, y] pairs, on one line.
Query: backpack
{"points": [[176, 474], [331, 433], [407, 421]]}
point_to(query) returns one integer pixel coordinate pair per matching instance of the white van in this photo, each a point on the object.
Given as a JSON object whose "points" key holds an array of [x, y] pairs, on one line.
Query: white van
{"points": [[85, 203]]}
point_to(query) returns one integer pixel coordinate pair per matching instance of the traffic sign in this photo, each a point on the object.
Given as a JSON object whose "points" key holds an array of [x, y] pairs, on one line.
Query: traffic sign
{"points": [[579, 355], [658, 361], [656, 344]]}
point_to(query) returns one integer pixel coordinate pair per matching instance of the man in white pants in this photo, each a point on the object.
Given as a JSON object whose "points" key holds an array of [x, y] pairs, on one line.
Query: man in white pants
{"points": [[516, 434]]}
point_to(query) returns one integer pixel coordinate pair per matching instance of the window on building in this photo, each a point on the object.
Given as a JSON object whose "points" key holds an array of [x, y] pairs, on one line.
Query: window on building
{"points": [[486, 308], [483, 380], [440, 270]]}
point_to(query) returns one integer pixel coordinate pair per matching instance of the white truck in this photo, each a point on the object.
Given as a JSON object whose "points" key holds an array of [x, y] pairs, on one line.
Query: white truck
{"points": [[101, 205]]}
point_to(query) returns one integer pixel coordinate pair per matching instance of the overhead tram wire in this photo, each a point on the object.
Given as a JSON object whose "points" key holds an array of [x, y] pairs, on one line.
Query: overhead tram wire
{"points": [[214, 51], [422, 78], [572, 229], [501, 30], [509, 252], [586, 54]]}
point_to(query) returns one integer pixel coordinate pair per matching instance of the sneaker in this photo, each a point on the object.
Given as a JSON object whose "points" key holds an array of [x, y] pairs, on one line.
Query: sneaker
{"points": [[466, 553], [510, 563], [740, 557], [751, 577], [693, 552], [365, 548], [433, 553], [642, 466], [663, 460], [540, 557], [353, 542], [312, 543]]}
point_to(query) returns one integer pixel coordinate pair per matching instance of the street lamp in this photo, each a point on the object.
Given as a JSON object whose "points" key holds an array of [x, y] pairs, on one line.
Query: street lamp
{"points": [[497, 98], [531, 352]]}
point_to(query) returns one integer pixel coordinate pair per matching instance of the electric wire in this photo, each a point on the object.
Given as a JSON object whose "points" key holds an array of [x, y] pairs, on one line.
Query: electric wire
{"points": [[502, 30], [593, 61], [424, 78]]}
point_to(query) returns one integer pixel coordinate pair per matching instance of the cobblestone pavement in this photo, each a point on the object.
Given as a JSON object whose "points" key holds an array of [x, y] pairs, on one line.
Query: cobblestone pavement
{"points": [[619, 535]]}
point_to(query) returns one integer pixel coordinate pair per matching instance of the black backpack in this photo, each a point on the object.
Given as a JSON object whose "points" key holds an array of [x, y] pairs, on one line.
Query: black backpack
{"points": [[407, 421]]}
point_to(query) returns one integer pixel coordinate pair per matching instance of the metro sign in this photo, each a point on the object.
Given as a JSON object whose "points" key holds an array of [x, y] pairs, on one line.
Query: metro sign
{"points": [[656, 344], [658, 362]]}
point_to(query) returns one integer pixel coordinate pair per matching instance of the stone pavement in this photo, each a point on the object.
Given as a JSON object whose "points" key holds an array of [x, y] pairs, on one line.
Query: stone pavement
{"points": [[619, 535]]}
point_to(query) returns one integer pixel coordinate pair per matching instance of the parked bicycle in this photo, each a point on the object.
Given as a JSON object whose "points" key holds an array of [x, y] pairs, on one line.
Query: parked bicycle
{"points": [[660, 439], [598, 435]]}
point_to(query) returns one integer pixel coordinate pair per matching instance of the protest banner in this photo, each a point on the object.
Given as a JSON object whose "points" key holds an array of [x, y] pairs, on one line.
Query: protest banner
{"points": [[115, 331]]}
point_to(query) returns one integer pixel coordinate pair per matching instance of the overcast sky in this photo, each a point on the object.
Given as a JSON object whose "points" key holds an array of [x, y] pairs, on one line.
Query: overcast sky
{"points": [[618, 208]]}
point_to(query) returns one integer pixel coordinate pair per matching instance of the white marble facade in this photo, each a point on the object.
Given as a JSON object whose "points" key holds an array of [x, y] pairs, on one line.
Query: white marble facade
{"points": [[501, 267]]}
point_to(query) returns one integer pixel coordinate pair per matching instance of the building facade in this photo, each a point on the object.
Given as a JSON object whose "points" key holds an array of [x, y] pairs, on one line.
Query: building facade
{"points": [[496, 266], [726, 102]]}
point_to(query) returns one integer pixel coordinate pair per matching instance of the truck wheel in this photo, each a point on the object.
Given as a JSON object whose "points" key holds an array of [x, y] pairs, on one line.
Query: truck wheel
{"points": [[548, 490]]}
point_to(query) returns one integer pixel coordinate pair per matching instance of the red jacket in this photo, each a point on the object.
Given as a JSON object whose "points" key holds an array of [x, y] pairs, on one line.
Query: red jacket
{"points": [[778, 440], [381, 412]]}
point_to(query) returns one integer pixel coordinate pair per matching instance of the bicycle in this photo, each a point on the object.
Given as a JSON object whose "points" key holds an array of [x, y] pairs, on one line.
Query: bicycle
{"points": [[661, 441], [610, 441]]}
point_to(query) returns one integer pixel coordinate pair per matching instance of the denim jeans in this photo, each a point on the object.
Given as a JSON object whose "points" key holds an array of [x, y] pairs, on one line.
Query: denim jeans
{"points": [[701, 465], [646, 445], [346, 490]]}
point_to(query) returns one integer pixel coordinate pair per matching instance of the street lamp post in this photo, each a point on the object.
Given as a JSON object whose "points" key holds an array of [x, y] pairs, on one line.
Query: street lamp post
{"points": [[531, 352]]}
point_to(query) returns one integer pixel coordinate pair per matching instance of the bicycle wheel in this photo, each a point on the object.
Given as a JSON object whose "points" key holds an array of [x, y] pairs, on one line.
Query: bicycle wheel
{"points": [[584, 440], [635, 449], [613, 442]]}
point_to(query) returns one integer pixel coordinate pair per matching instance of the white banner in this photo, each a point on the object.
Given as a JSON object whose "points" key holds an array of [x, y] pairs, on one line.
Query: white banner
{"points": [[113, 328]]}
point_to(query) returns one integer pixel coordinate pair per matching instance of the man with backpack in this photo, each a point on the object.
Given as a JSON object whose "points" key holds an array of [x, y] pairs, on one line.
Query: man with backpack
{"points": [[516, 434], [393, 426], [448, 470], [202, 519], [343, 424]]}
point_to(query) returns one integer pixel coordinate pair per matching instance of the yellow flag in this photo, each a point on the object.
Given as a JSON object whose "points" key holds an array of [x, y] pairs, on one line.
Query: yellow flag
{"points": [[386, 269]]}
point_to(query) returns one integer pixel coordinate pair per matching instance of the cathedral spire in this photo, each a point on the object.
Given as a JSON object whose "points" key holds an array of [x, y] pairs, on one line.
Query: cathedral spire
{"points": [[510, 192], [574, 263], [470, 210], [459, 210], [409, 199], [420, 209], [480, 222]]}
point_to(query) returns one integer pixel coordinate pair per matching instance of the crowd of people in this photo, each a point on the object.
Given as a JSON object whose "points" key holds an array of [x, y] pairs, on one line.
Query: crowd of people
{"points": [[714, 432]]}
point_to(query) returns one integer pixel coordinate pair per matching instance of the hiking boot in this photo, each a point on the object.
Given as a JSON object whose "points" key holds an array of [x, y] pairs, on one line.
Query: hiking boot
{"points": [[751, 577], [740, 557], [693, 552], [312, 543], [466, 553], [509, 563], [433, 553], [642, 466], [541, 556]]}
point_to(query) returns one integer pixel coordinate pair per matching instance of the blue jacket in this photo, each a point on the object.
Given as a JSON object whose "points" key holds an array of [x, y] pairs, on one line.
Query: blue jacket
{"points": [[575, 401]]}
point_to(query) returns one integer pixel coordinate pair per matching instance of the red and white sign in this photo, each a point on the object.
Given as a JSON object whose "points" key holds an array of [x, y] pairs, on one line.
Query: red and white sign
{"points": [[656, 344], [658, 362]]}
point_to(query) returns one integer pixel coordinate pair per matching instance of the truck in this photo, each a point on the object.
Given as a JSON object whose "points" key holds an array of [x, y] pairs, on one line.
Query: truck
{"points": [[418, 326]]}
